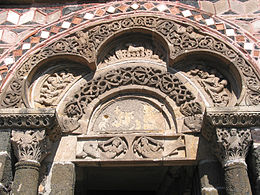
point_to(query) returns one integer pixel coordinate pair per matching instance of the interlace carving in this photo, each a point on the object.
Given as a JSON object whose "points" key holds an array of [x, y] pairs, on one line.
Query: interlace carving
{"points": [[232, 144], [213, 82], [53, 86], [147, 147], [113, 147], [29, 144], [179, 36], [166, 82]]}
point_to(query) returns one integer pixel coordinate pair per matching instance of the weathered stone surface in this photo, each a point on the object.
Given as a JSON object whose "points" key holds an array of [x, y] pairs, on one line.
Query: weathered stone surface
{"points": [[236, 180], [26, 178], [27, 118], [62, 179], [67, 149], [5, 158], [254, 168]]}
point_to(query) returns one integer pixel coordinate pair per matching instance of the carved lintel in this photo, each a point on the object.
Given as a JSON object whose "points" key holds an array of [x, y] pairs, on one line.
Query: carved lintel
{"points": [[27, 118], [29, 144]]}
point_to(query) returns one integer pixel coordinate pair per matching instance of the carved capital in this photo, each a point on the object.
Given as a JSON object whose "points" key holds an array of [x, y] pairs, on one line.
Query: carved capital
{"points": [[29, 144], [229, 132], [232, 145]]}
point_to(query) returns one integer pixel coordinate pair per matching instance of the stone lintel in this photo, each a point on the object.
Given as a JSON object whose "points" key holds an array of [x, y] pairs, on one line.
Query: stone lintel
{"points": [[21, 118]]}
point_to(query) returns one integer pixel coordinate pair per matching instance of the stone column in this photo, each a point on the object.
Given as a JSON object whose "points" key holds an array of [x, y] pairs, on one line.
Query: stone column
{"points": [[5, 161], [231, 147], [30, 149]]}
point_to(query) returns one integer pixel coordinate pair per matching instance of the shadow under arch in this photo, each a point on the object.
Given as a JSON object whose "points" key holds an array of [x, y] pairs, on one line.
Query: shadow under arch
{"points": [[52, 65], [214, 60], [141, 34]]}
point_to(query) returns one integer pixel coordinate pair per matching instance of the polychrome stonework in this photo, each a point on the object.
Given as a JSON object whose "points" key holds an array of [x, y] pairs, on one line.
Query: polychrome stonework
{"points": [[158, 97]]}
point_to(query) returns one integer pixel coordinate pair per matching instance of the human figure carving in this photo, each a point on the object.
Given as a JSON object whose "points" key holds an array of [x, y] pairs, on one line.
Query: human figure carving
{"points": [[113, 147], [148, 147], [215, 86], [53, 86]]}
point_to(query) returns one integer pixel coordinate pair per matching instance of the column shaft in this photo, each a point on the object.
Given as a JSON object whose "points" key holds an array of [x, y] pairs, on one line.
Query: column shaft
{"points": [[26, 178], [236, 180]]}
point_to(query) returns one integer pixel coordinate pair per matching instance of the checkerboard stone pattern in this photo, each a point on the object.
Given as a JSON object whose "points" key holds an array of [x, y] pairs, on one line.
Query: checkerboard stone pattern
{"points": [[24, 30]]}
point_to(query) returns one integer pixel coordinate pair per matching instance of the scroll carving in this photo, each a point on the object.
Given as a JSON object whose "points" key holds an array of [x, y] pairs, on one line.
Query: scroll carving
{"points": [[213, 83], [166, 82], [179, 36], [29, 144]]}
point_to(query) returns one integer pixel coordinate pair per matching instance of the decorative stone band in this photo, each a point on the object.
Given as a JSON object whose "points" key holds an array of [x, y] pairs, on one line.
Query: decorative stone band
{"points": [[242, 116], [27, 118], [229, 132]]}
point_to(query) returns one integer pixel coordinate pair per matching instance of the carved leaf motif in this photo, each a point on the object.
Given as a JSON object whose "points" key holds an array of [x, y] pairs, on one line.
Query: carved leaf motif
{"points": [[233, 144], [29, 145]]}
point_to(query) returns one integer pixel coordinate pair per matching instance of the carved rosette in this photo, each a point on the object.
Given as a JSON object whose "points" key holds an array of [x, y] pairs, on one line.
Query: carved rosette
{"points": [[29, 144]]}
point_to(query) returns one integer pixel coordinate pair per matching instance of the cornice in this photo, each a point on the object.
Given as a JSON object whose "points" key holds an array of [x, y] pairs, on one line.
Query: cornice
{"points": [[238, 116], [27, 118]]}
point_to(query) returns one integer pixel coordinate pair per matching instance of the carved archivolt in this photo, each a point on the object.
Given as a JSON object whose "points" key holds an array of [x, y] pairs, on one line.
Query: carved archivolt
{"points": [[178, 37], [166, 82]]}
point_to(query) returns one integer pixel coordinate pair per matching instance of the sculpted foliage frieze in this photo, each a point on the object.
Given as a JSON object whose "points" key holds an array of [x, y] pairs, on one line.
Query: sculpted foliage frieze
{"points": [[180, 38]]}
